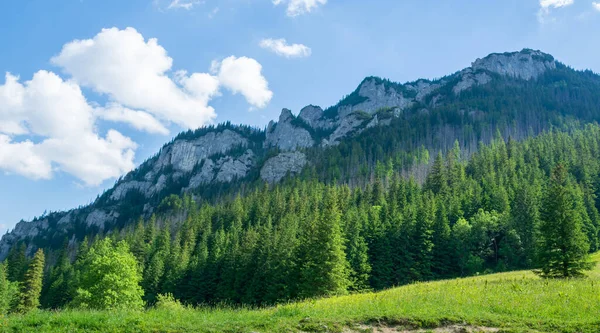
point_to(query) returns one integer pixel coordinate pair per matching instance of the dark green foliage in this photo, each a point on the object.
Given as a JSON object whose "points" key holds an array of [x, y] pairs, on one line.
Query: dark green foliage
{"points": [[60, 283], [563, 246], [322, 262], [17, 263]]}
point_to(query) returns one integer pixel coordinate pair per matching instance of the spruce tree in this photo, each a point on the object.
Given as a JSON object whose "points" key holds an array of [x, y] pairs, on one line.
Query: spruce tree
{"points": [[563, 247], [17, 263], [357, 253], [525, 219], [436, 180], [442, 250], [423, 238], [31, 287], [324, 270]]}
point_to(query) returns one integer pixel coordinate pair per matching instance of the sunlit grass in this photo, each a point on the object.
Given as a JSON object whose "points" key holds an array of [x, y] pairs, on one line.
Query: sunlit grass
{"points": [[515, 301]]}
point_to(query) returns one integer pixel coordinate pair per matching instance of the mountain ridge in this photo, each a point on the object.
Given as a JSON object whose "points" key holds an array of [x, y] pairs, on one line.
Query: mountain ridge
{"points": [[231, 155]]}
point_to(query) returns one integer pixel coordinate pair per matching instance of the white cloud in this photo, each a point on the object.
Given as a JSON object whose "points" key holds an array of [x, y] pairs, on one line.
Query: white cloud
{"points": [[133, 73], [282, 48], [48, 125], [57, 114], [555, 3], [243, 75], [140, 120], [543, 14], [23, 158], [187, 5], [299, 7], [596, 5]]}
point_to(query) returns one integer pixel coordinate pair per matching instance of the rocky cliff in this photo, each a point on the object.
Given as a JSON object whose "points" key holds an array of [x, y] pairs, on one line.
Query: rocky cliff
{"points": [[232, 154]]}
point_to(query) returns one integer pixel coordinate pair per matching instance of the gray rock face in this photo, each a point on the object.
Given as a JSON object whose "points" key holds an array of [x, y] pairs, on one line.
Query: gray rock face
{"points": [[423, 88], [470, 79], [349, 124], [285, 135], [225, 170], [205, 176], [234, 168], [378, 96], [527, 64], [279, 166], [313, 116], [122, 189], [31, 229], [100, 218], [183, 155]]}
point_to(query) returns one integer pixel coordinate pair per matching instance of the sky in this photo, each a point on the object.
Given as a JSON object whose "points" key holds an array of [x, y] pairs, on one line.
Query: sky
{"points": [[89, 89]]}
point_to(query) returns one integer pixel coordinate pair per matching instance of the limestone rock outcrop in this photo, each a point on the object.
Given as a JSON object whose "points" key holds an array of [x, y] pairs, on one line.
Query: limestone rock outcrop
{"points": [[285, 135], [281, 165]]}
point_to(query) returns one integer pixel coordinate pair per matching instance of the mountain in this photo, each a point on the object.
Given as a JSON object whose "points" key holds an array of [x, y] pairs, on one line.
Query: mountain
{"points": [[517, 94]]}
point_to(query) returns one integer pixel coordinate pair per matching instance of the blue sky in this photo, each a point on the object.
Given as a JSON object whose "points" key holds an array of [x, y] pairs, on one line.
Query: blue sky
{"points": [[83, 105]]}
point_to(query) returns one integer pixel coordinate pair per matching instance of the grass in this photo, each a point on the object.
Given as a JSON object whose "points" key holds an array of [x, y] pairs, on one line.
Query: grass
{"points": [[513, 302]]}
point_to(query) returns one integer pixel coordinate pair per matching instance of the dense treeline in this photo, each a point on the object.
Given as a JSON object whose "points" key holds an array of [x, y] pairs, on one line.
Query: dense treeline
{"points": [[516, 108], [494, 211], [405, 143]]}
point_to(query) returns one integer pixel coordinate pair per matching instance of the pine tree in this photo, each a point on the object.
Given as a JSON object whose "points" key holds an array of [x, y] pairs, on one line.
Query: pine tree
{"points": [[525, 219], [423, 238], [324, 270], [60, 282], [563, 248], [442, 250], [436, 180], [17, 263], [31, 288], [357, 253]]}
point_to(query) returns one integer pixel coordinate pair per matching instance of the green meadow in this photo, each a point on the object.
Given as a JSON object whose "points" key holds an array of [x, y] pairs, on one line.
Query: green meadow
{"points": [[508, 302]]}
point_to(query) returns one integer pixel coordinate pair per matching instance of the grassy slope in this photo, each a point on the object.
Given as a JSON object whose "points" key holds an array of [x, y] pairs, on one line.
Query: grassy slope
{"points": [[515, 302]]}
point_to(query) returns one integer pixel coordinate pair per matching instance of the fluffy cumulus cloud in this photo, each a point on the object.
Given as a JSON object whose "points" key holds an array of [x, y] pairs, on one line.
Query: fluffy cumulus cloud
{"points": [[299, 7], [133, 73], [596, 5], [543, 14], [282, 48], [139, 120], [242, 75], [48, 125], [57, 114]]}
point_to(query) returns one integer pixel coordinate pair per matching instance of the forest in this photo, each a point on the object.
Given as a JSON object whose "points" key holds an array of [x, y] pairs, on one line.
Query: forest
{"points": [[529, 204]]}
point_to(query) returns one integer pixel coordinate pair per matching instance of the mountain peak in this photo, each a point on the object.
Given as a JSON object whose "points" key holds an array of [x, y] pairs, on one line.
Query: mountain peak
{"points": [[526, 64]]}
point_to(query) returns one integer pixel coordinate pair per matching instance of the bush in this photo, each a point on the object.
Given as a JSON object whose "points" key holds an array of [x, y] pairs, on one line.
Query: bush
{"points": [[168, 302], [109, 278]]}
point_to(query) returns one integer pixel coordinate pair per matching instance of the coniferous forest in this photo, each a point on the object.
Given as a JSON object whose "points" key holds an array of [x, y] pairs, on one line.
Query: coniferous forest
{"points": [[494, 210]]}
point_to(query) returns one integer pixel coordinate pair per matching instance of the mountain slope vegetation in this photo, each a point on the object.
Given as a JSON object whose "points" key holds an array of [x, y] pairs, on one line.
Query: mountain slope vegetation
{"points": [[304, 238], [396, 184], [519, 94]]}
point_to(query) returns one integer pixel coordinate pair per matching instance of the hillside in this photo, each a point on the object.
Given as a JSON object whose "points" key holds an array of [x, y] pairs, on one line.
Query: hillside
{"points": [[518, 94], [493, 169], [506, 302]]}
